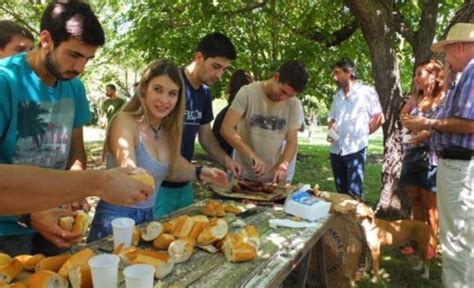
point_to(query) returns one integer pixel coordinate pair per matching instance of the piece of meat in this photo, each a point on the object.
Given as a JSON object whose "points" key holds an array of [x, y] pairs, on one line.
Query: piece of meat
{"points": [[257, 186]]}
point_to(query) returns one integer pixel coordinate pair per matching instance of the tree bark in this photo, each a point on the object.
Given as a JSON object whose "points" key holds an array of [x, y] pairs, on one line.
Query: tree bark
{"points": [[378, 28]]}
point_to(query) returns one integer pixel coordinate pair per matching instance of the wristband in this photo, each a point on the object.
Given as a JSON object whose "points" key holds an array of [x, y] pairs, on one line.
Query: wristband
{"points": [[24, 220], [198, 172]]}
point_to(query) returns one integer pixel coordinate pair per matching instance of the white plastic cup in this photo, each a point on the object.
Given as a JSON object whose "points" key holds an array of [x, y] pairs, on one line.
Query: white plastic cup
{"points": [[104, 270], [123, 230], [139, 276], [333, 134]]}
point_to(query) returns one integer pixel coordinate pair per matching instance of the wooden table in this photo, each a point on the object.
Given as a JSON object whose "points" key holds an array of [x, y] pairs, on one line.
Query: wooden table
{"points": [[281, 249]]}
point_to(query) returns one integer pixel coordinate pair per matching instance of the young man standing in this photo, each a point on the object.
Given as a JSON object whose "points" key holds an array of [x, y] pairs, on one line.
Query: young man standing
{"points": [[14, 39], [213, 56], [355, 114], [112, 104], [266, 114], [453, 139], [44, 107]]}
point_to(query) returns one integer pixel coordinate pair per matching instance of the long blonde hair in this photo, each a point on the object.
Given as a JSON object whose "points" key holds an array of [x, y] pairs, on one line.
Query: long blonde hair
{"points": [[173, 122]]}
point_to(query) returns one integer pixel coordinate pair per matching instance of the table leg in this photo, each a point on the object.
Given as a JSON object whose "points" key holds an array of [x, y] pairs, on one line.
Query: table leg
{"points": [[302, 270], [321, 263]]}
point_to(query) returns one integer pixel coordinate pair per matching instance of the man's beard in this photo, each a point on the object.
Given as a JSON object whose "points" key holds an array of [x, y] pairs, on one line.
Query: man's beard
{"points": [[53, 68]]}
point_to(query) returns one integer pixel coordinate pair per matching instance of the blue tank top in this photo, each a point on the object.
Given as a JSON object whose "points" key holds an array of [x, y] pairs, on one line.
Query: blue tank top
{"points": [[144, 160]]}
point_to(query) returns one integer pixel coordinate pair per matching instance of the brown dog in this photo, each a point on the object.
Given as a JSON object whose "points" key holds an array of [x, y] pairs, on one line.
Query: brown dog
{"points": [[394, 233]]}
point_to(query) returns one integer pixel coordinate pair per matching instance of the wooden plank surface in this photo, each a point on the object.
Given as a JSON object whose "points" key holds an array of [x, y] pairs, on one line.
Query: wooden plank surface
{"points": [[280, 251]]}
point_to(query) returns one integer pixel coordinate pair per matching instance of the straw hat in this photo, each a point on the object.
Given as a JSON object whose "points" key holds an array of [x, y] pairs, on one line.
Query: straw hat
{"points": [[460, 32]]}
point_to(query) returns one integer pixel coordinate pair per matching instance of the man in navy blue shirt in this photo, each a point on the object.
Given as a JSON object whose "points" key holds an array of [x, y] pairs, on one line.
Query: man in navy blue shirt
{"points": [[213, 56]]}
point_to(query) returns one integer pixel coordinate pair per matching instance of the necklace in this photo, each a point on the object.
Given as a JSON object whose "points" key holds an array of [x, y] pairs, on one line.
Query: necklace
{"points": [[156, 131]]}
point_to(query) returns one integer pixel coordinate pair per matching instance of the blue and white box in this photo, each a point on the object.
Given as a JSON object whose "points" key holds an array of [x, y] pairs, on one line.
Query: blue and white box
{"points": [[304, 204]]}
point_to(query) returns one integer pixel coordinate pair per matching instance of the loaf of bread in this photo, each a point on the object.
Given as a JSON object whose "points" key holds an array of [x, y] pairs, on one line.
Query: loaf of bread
{"points": [[66, 223], [250, 235], [79, 259], [151, 231], [239, 251], [9, 271], [216, 230], [80, 277], [213, 208], [145, 178], [5, 259], [47, 279], [183, 226], [53, 263], [163, 267], [29, 261], [128, 254], [82, 220], [163, 241], [77, 224], [13, 285], [181, 249], [233, 209], [197, 230], [136, 236]]}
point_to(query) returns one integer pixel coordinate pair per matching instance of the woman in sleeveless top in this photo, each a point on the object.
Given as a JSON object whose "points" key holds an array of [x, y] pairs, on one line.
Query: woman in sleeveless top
{"points": [[425, 101], [146, 133]]}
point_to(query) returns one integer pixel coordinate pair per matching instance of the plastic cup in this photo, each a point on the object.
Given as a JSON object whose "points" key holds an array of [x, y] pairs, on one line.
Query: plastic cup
{"points": [[333, 134], [139, 276], [123, 230], [104, 270]]}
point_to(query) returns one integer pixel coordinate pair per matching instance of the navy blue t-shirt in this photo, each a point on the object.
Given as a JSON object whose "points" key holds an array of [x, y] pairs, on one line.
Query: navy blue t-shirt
{"points": [[198, 112]]}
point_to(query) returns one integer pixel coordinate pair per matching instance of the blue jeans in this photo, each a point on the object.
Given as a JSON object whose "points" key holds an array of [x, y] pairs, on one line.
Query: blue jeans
{"points": [[348, 172], [29, 244], [171, 199], [104, 214]]}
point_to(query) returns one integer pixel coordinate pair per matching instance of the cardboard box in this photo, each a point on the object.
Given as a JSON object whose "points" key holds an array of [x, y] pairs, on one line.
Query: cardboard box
{"points": [[304, 204]]}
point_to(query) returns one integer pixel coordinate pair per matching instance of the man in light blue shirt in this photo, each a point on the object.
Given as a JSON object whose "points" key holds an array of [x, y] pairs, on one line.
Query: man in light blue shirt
{"points": [[355, 114], [43, 107]]}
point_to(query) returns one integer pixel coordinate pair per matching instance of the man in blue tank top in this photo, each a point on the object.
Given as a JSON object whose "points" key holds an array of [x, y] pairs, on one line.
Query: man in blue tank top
{"points": [[213, 56], [43, 108]]}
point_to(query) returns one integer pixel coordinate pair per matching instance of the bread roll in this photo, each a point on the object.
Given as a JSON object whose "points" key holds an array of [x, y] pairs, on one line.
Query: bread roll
{"points": [[233, 209], [82, 220], [9, 271], [127, 254], [13, 285], [80, 277], [29, 261], [214, 209], [239, 252], [250, 235], [200, 218], [79, 259], [180, 250], [163, 268], [136, 236], [66, 223], [145, 178], [216, 230], [151, 231], [53, 263], [163, 241], [197, 229], [47, 279], [183, 226], [5, 259]]}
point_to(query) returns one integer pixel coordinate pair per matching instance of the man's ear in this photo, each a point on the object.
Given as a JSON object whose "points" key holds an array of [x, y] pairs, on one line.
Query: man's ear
{"points": [[46, 41], [198, 57], [276, 77]]}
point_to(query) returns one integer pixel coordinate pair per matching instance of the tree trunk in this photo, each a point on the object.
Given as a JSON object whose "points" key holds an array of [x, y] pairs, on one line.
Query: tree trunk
{"points": [[376, 21]]}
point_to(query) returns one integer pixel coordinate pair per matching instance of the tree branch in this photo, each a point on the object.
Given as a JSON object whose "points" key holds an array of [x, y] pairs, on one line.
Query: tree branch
{"points": [[402, 27]]}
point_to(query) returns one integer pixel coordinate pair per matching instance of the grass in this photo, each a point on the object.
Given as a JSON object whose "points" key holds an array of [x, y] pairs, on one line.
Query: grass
{"points": [[313, 167]]}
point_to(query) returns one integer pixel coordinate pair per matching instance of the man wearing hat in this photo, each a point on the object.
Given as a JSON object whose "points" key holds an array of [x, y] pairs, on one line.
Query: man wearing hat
{"points": [[453, 139]]}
